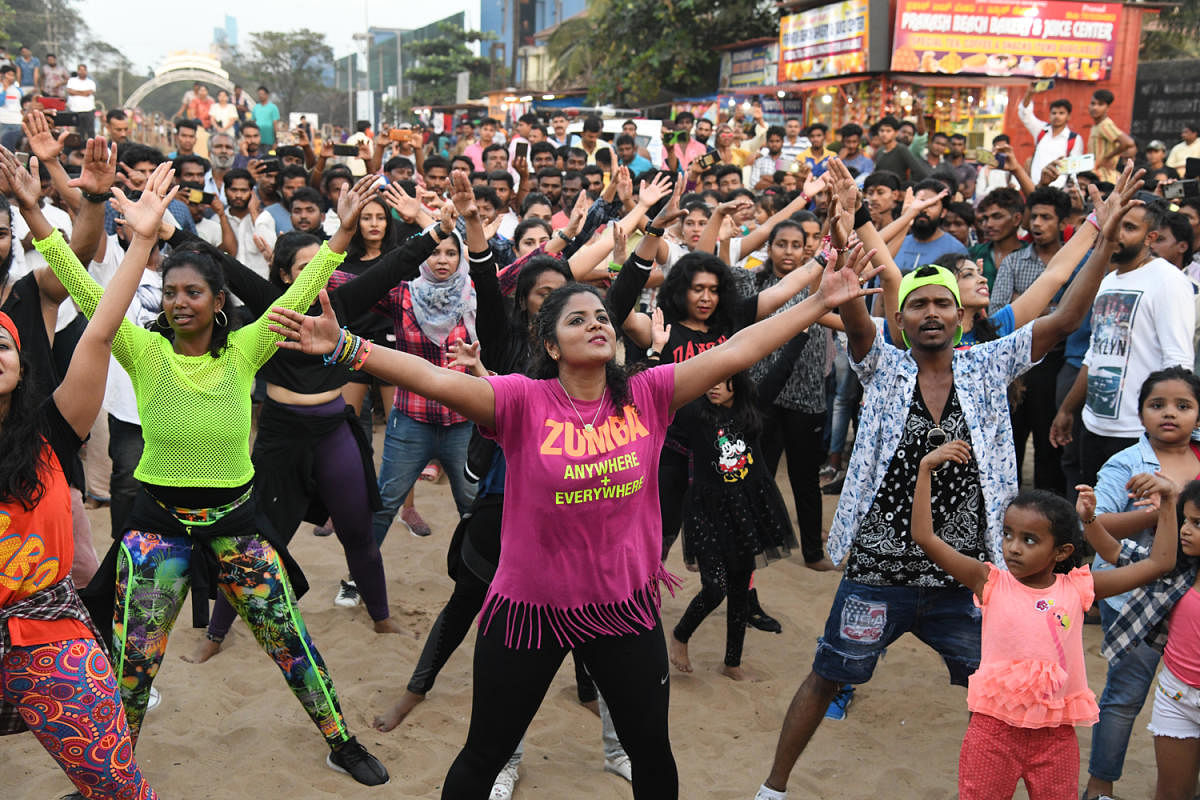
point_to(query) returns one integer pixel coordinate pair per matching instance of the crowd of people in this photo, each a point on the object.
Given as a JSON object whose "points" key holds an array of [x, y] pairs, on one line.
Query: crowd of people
{"points": [[642, 329]]}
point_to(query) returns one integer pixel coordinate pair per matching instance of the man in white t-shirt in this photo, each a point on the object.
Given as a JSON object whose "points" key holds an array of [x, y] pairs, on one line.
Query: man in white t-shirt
{"points": [[1052, 140], [81, 98], [10, 107], [1143, 319]]}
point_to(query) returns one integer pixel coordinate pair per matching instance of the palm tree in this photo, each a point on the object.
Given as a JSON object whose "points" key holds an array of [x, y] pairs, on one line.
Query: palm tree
{"points": [[571, 49]]}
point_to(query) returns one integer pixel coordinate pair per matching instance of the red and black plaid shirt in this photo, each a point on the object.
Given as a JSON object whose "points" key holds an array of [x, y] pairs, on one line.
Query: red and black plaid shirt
{"points": [[397, 305]]}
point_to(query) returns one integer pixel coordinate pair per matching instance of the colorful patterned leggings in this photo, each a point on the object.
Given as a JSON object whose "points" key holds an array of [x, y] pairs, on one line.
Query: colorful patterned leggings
{"points": [[153, 578], [67, 695]]}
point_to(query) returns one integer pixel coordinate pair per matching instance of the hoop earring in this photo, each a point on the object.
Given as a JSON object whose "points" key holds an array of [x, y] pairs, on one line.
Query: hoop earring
{"points": [[223, 319], [162, 320]]}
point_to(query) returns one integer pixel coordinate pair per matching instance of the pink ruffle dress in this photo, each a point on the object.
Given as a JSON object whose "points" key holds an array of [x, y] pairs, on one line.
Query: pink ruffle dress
{"points": [[1031, 671]]}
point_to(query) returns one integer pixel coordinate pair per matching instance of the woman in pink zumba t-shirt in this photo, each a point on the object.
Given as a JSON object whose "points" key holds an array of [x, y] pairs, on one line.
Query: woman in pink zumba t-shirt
{"points": [[580, 567]]}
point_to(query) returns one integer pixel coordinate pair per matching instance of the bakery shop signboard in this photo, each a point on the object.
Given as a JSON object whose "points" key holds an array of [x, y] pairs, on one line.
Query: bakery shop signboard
{"points": [[1031, 39], [824, 42]]}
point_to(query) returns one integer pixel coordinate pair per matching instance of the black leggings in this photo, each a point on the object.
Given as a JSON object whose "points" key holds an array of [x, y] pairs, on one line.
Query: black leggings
{"points": [[674, 475], [509, 685], [454, 621], [799, 435], [709, 597]]}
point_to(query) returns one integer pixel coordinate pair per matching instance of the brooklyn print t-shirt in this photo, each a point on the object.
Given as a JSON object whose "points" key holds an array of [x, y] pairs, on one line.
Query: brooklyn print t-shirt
{"points": [[581, 534]]}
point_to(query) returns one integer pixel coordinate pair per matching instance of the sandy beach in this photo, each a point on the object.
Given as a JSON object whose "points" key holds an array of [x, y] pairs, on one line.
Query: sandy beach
{"points": [[230, 727]]}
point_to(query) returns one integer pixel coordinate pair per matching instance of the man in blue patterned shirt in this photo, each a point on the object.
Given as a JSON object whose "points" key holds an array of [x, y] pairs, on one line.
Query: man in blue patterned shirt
{"points": [[915, 400]]}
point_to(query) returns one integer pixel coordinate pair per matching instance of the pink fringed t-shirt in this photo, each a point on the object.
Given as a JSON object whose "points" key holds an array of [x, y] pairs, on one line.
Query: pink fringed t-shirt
{"points": [[581, 536], [1031, 672]]}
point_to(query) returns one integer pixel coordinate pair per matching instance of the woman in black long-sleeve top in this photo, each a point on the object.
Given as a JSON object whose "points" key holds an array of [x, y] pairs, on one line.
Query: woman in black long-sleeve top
{"points": [[312, 458]]}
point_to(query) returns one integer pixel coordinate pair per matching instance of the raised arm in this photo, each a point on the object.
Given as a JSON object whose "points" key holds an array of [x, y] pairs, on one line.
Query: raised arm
{"points": [[468, 395], [970, 572], [358, 296], [303, 291], [592, 254], [852, 215], [1053, 328], [1161, 559], [43, 144], [1029, 304], [492, 326], [751, 344], [80, 394], [1097, 533]]}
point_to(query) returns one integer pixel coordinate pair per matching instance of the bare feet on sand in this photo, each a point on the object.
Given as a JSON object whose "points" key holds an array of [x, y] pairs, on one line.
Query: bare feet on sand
{"points": [[205, 650], [740, 673], [678, 653], [824, 565], [408, 701], [388, 625]]}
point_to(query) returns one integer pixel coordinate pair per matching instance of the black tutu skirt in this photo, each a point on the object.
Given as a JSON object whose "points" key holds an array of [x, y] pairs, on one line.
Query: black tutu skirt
{"points": [[744, 525]]}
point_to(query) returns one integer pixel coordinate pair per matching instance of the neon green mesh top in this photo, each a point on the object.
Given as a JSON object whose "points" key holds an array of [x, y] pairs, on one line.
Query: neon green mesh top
{"points": [[195, 410]]}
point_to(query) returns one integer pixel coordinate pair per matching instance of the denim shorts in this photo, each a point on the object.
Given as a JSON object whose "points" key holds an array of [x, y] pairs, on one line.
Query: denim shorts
{"points": [[1176, 711], [866, 619]]}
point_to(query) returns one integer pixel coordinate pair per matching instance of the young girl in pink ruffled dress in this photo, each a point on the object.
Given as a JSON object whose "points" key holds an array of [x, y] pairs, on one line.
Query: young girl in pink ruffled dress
{"points": [[1031, 686]]}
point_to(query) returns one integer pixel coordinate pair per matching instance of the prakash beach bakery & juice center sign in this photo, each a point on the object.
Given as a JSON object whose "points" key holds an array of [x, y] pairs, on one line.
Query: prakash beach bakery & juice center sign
{"points": [[1051, 39], [824, 42]]}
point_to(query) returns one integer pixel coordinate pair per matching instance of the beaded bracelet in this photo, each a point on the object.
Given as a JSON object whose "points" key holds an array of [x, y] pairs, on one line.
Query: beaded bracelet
{"points": [[335, 354], [365, 351]]}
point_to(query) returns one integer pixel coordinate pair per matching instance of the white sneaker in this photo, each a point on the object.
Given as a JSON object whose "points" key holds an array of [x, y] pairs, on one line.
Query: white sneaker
{"points": [[154, 700], [620, 765], [347, 595], [506, 781], [766, 793]]}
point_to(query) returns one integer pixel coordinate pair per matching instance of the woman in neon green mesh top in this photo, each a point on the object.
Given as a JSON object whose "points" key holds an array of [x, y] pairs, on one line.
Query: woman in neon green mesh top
{"points": [[195, 517]]}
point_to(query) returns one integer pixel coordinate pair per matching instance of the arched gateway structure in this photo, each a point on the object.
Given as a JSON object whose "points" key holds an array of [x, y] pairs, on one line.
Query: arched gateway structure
{"points": [[183, 67]]}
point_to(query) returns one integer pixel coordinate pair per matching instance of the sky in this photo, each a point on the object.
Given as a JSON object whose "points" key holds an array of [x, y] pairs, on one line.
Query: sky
{"points": [[188, 24]]}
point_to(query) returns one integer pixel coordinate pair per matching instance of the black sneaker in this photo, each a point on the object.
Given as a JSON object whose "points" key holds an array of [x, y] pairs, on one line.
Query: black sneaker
{"points": [[354, 760]]}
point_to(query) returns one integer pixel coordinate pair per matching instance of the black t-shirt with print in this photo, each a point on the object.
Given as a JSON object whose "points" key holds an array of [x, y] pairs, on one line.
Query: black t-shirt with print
{"points": [[684, 343], [884, 553]]}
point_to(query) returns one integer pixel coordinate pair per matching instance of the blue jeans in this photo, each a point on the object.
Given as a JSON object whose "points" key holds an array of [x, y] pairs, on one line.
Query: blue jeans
{"points": [[866, 619], [844, 400], [1125, 688], [408, 446]]}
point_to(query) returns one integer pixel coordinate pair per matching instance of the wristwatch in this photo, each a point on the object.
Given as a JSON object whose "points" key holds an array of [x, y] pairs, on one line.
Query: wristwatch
{"points": [[653, 231], [651, 353]]}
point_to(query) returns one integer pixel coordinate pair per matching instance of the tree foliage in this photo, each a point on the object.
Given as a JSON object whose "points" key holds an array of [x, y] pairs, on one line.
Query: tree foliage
{"points": [[571, 57], [1172, 33], [653, 48], [44, 26], [290, 63], [440, 59]]}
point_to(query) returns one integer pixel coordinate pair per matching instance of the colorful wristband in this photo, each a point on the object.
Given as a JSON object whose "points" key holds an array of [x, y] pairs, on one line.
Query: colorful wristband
{"points": [[333, 356], [363, 352]]}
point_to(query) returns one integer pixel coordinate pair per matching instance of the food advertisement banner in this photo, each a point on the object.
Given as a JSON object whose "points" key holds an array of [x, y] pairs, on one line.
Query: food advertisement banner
{"points": [[750, 66], [824, 42], [1047, 39]]}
